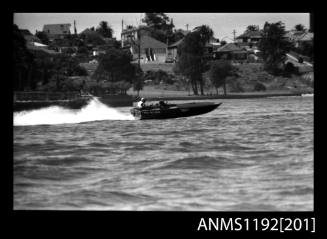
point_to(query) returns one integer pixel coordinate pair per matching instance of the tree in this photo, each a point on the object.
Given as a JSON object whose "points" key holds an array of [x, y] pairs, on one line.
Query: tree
{"points": [[219, 71], [43, 37], [159, 21], [190, 63], [105, 30], [115, 66], [223, 42], [299, 27], [252, 28], [206, 33], [274, 46], [159, 25], [23, 61], [138, 82], [176, 36], [93, 38]]}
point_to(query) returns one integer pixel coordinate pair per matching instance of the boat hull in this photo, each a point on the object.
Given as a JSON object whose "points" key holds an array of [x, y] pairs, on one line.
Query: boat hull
{"points": [[174, 111]]}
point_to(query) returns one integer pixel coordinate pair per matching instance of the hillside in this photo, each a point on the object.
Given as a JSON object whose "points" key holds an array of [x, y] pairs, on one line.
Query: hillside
{"points": [[167, 67], [252, 77]]}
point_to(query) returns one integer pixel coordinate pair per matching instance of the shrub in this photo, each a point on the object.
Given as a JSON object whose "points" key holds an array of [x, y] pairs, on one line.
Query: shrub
{"points": [[259, 87]]}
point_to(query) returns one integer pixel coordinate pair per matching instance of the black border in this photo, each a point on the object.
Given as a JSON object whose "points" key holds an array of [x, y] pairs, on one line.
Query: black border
{"points": [[94, 223]]}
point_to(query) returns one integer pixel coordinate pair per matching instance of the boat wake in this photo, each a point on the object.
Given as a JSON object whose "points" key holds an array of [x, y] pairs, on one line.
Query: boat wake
{"points": [[307, 95], [93, 111]]}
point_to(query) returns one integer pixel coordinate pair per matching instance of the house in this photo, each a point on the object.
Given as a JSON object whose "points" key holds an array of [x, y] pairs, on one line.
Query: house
{"points": [[151, 50], [55, 31], [299, 37], [131, 34], [231, 51], [172, 51], [211, 46], [249, 37]]}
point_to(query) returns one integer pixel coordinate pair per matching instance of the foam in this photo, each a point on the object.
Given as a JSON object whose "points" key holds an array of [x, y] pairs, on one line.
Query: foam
{"points": [[93, 111]]}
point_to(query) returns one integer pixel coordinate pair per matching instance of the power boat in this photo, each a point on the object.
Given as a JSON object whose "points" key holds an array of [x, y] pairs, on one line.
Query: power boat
{"points": [[164, 110]]}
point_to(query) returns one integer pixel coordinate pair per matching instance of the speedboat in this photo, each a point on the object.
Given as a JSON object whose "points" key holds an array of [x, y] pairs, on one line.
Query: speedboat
{"points": [[166, 111]]}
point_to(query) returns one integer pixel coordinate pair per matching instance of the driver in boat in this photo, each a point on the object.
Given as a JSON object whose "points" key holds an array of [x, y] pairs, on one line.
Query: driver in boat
{"points": [[141, 103]]}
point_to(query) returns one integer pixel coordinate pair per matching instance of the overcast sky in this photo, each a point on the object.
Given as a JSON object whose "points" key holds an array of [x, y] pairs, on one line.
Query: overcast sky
{"points": [[222, 24]]}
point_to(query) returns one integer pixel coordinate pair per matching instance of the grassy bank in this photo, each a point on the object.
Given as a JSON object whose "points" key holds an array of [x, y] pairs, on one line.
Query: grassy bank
{"points": [[250, 81], [152, 93]]}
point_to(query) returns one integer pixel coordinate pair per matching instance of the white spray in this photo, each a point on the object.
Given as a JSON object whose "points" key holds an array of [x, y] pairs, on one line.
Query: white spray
{"points": [[95, 110]]}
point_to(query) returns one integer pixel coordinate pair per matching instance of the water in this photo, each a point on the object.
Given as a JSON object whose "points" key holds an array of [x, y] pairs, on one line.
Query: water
{"points": [[254, 154]]}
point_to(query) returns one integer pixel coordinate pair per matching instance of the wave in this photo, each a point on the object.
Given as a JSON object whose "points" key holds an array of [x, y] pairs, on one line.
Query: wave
{"points": [[93, 111], [307, 95]]}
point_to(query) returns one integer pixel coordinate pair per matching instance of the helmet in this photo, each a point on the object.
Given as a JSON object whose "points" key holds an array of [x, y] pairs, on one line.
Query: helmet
{"points": [[142, 99]]}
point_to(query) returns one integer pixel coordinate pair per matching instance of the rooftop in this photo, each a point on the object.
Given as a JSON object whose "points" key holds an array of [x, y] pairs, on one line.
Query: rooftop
{"points": [[149, 42], [250, 34], [230, 47], [176, 44], [57, 29]]}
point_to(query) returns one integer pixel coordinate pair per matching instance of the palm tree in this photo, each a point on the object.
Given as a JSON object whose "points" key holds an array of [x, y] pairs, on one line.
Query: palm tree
{"points": [[104, 29], [205, 31], [252, 28]]}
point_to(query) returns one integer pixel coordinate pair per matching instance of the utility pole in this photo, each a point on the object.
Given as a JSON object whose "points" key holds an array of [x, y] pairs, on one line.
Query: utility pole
{"points": [[186, 27], [75, 30], [234, 32], [139, 43], [121, 35]]}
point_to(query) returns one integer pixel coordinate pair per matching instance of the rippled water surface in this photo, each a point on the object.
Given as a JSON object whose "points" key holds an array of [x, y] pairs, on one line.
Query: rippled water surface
{"points": [[254, 154]]}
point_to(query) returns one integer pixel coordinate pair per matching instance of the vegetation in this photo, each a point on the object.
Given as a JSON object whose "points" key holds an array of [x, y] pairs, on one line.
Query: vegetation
{"points": [[219, 71], [274, 46], [138, 82], [299, 27], [159, 76], [43, 37], [305, 49], [205, 32], [115, 66], [192, 63], [162, 28], [93, 38], [105, 30], [38, 70], [252, 28], [24, 63]]}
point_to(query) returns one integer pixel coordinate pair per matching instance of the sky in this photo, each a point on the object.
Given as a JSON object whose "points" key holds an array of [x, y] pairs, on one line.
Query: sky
{"points": [[223, 24]]}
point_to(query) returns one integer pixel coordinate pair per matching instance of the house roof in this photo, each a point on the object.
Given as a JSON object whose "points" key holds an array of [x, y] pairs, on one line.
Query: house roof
{"points": [[307, 37], [176, 44], [250, 34], [184, 32], [133, 29], [87, 31], [149, 42], [57, 29], [299, 35], [37, 48], [230, 47]]}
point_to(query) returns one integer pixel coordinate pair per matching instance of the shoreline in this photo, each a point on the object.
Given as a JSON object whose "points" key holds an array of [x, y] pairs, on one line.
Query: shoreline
{"points": [[127, 100], [229, 96], [249, 95]]}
